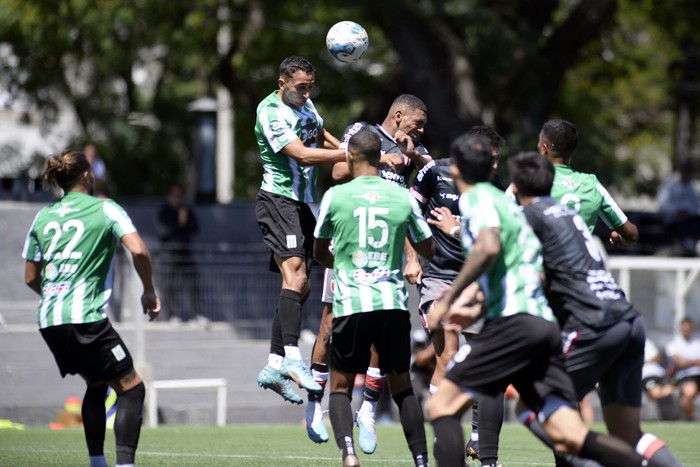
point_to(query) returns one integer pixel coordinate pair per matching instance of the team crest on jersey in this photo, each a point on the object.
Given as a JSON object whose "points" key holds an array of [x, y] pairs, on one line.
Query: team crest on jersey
{"points": [[371, 196], [64, 210], [359, 259]]}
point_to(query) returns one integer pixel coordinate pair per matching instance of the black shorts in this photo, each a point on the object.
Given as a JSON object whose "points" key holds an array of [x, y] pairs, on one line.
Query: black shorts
{"points": [[287, 227], [352, 337], [93, 350], [523, 350], [612, 358]]}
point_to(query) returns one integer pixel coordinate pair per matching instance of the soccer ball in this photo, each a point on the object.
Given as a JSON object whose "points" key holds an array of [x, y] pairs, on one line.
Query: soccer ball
{"points": [[347, 41]]}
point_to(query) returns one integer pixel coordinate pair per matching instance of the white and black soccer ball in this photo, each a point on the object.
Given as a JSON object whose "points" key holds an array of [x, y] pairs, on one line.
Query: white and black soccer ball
{"points": [[347, 41]]}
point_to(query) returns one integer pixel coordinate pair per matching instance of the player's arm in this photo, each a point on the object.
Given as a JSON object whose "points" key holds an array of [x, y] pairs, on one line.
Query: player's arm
{"points": [[322, 252], [425, 248], [312, 156], [32, 276], [406, 145], [142, 263], [486, 248], [329, 141], [412, 271]]}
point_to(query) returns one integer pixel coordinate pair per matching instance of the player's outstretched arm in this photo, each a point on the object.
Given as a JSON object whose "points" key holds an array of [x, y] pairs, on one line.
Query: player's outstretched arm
{"points": [[312, 156], [322, 252], [625, 235], [412, 271], [142, 263]]}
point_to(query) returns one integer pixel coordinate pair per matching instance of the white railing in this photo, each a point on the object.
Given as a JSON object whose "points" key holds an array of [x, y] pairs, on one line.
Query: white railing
{"points": [[686, 269]]}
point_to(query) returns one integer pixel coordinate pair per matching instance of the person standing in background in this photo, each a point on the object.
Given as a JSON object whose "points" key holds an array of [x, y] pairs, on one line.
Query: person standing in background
{"points": [[177, 224], [68, 253]]}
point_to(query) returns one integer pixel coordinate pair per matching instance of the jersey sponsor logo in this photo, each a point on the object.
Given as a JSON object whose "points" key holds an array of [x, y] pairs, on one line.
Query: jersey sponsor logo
{"points": [[392, 177], [51, 272], [352, 131], [53, 289], [444, 179], [359, 259], [603, 285], [291, 241], [377, 258], [371, 277], [119, 353], [450, 196], [424, 170]]}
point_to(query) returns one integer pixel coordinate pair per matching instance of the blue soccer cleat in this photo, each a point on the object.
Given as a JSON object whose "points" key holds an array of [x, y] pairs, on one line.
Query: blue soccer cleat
{"points": [[367, 435], [270, 378], [297, 372], [315, 427]]}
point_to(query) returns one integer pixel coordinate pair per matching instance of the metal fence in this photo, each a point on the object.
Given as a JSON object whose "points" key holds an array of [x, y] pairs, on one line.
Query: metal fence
{"points": [[221, 283]]}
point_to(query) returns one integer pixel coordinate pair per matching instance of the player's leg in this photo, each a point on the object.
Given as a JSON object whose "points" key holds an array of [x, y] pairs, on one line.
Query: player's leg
{"points": [[349, 354], [341, 414], [393, 343], [375, 381], [287, 228], [127, 421], [489, 420], [445, 410], [688, 389], [94, 422], [315, 427], [621, 394]]}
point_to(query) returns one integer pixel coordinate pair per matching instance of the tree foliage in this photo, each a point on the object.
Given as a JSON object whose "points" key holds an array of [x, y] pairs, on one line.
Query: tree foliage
{"points": [[129, 69]]}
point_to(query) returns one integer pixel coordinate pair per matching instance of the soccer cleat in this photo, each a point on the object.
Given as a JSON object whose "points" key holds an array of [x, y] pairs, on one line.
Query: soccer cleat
{"points": [[367, 435], [315, 427], [472, 450], [270, 378], [296, 371]]}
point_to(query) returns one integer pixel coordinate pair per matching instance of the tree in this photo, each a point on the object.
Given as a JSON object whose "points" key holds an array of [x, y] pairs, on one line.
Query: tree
{"points": [[510, 64]]}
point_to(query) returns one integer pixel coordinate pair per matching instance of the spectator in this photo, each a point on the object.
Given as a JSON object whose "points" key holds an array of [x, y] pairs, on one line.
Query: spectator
{"points": [[656, 382], [684, 352], [678, 206], [177, 224], [99, 169]]}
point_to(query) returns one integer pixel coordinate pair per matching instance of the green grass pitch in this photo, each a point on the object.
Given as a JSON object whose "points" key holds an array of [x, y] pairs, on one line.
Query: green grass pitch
{"points": [[254, 445]]}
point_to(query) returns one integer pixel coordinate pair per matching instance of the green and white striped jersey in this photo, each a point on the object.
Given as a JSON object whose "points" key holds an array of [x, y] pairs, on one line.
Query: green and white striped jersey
{"points": [[584, 194], [74, 240], [512, 281], [277, 125], [368, 219]]}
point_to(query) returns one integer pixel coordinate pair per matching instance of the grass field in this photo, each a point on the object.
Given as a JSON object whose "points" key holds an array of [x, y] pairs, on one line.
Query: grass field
{"points": [[285, 445]]}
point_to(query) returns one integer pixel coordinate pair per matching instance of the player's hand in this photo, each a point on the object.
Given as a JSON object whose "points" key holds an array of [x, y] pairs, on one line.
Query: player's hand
{"points": [[393, 161], [412, 272], [618, 240], [404, 142], [151, 304], [442, 218], [437, 311], [465, 310]]}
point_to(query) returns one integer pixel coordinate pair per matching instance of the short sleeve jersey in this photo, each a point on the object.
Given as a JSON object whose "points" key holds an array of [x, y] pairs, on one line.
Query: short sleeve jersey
{"points": [[74, 240], [512, 283], [433, 187], [276, 126], [368, 220], [579, 288], [584, 194], [388, 146], [687, 349]]}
